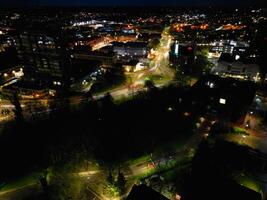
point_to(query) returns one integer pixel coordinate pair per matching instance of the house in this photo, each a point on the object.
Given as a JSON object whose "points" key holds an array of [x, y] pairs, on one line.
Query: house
{"points": [[142, 192]]}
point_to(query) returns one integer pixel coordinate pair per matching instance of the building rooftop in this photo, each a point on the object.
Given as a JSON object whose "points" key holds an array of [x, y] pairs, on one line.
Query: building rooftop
{"points": [[130, 44], [225, 57], [142, 192]]}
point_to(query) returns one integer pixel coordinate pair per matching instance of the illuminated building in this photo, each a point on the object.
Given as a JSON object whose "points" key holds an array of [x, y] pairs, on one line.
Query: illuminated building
{"points": [[10, 75], [226, 98], [229, 46], [182, 54], [44, 57], [107, 59], [144, 192], [236, 67], [131, 49]]}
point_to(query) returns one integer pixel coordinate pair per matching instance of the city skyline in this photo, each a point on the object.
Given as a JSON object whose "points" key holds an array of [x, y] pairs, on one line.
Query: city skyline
{"points": [[131, 3], [133, 100]]}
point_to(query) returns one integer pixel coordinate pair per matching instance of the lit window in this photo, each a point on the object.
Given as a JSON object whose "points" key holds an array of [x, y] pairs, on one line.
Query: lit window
{"points": [[222, 101]]}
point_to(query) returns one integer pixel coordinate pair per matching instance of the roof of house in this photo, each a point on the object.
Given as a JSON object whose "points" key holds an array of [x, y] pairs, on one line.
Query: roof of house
{"points": [[142, 192]]}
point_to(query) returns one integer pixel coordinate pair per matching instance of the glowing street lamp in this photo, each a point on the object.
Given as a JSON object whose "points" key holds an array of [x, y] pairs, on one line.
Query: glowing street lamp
{"points": [[222, 101]]}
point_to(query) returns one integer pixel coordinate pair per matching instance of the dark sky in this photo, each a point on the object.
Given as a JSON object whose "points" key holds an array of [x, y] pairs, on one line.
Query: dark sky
{"points": [[127, 2]]}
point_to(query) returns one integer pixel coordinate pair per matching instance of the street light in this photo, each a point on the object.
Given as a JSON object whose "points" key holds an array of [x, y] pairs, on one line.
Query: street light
{"points": [[243, 137]]}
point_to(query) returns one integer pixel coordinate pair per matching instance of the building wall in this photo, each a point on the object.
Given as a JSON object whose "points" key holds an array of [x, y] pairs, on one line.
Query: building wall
{"points": [[131, 51], [238, 69], [44, 57]]}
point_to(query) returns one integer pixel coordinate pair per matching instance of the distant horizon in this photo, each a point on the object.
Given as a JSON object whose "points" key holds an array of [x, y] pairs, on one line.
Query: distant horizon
{"points": [[136, 3]]}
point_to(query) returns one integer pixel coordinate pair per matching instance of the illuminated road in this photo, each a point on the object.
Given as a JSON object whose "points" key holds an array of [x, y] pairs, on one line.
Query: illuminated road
{"points": [[21, 193], [257, 137], [257, 131], [159, 65], [97, 181]]}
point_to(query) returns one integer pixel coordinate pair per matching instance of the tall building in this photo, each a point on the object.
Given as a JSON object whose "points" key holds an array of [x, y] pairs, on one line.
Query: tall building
{"points": [[10, 70], [130, 49], [44, 56], [229, 46], [182, 53], [241, 68]]}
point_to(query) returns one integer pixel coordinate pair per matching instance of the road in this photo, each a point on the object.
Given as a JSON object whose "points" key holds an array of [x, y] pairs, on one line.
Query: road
{"points": [[97, 182], [20, 193], [158, 66], [257, 135], [257, 131]]}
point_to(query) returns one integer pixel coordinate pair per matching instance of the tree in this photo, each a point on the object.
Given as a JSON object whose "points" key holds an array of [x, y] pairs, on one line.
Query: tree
{"points": [[110, 178], [59, 107], [33, 107], [260, 44], [121, 182], [14, 99], [149, 84], [43, 182], [181, 78], [108, 105], [66, 185]]}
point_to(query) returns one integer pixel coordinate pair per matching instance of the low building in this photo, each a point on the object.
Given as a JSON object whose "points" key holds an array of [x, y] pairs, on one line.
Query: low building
{"points": [[182, 53], [10, 75], [229, 66], [131, 49], [44, 55], [107, 59], [27, 89], [10, 69], [227, 99], [144, 192], [229, 46]]}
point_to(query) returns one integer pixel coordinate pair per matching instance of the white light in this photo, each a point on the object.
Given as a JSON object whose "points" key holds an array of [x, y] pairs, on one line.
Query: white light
{"points": [[237, 57], [210, 84], [222, 101], [176, 48]]}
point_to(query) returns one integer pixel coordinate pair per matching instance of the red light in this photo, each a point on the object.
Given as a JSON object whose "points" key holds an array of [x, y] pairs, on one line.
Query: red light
{"points": [[189, 48]]}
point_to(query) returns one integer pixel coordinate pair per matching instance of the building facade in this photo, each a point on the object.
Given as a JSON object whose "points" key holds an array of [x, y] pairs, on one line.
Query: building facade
{"points": [[44, 56], [238, 70], [131, 49]]}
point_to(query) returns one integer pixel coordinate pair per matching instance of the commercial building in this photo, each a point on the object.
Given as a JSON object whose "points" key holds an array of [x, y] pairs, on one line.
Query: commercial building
{"points": [[226, 98], [10, 75], [10, 70], [182, 53], [233, 66], [45, 57], [229, 46], [144, 192], [130, 49], [107, 59]]}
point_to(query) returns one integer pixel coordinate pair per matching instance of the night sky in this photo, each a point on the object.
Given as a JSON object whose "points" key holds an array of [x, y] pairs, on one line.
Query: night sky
{"points": [[127, 2]]}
